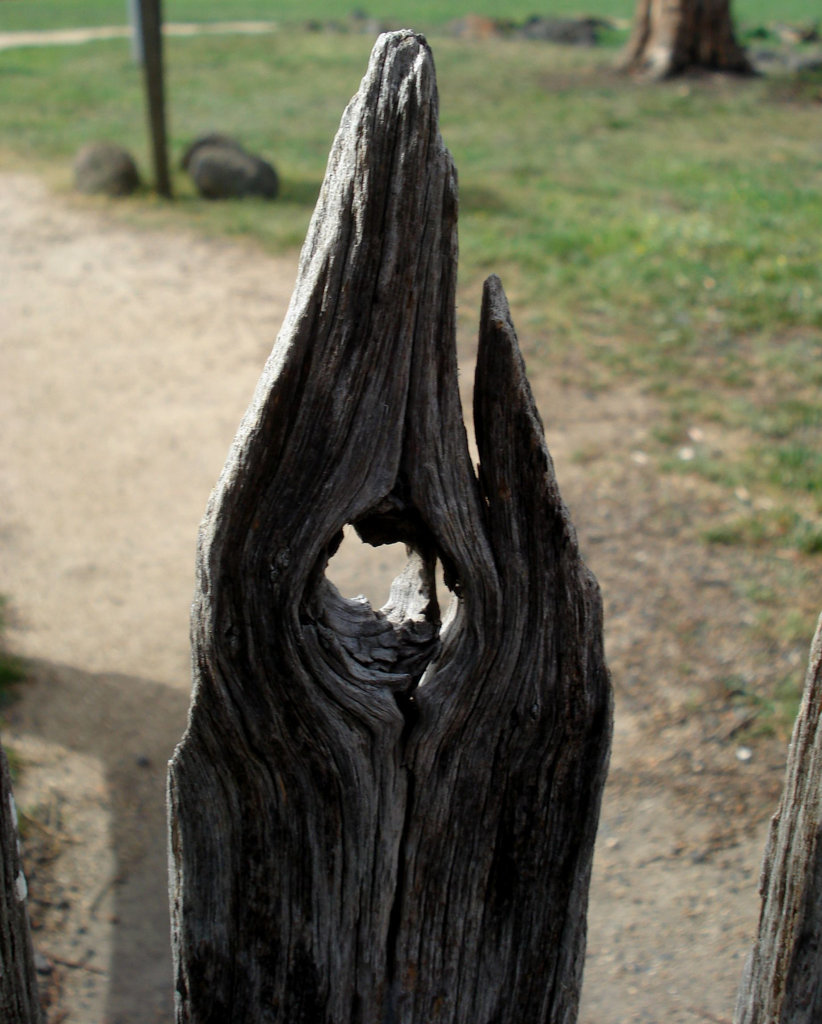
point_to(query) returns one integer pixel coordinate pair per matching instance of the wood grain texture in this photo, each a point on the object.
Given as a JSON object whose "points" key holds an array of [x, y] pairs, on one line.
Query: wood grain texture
{"points": [[782, 983], [19, 1000], [388, 816]]}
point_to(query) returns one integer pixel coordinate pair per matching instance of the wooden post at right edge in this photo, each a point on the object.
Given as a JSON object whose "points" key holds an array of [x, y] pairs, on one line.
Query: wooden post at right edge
{"points": [[782, 983]]}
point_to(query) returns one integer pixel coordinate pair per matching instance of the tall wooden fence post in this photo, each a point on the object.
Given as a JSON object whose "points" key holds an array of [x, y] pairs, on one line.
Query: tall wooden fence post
{"points": [[19, 1001], [388, 816], [151, 37]]}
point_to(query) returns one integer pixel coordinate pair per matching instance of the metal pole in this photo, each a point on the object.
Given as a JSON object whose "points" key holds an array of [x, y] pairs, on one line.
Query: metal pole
{"points": [[136, 23]]}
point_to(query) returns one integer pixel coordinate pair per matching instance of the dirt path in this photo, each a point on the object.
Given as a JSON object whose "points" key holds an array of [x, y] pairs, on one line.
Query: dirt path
{"points": [[127, 359], [73, 36]]}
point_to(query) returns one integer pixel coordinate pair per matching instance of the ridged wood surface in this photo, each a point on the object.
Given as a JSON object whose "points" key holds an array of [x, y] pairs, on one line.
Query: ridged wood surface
{"points": [[388, 816], [782, 983]]}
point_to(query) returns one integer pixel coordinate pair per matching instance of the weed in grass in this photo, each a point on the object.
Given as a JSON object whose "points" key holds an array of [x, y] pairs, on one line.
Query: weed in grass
{"points": [[11, 673], [760, 593], [791, 465], [11, 668], [797, 628], [781, 527], [803, 87], [809, 538], [15, 763], [587, 454], [775, 713]]}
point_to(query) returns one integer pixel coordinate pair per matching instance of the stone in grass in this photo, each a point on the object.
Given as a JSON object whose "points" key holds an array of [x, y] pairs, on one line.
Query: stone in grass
{"points": [[209, 139], [103, 168], [223, 169], [567, 31]]}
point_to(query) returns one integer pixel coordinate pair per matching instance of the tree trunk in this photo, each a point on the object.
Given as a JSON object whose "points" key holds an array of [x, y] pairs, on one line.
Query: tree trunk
{"points": [[19, 1001], [388, 816], [783, 977], [670, 36]]}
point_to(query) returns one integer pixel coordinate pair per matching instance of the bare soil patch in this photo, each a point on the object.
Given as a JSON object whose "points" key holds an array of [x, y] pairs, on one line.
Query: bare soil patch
{"points": [[128, 359]]}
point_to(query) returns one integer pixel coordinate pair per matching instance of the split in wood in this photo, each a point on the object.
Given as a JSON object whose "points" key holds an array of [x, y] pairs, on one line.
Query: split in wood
{"points": [[378, 816]]}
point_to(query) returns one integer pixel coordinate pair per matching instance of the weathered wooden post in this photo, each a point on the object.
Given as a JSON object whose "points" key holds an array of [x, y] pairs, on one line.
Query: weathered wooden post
{"points": [[782, 983], [388, 816], [19, 1001]]}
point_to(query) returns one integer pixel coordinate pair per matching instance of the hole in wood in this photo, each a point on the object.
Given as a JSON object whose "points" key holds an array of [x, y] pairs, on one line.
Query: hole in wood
{"points": [[446, 598], [359, 569]]}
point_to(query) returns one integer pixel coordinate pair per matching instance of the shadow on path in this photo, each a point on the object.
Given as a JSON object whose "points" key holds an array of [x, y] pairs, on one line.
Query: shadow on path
{"points": [[131, 726]]}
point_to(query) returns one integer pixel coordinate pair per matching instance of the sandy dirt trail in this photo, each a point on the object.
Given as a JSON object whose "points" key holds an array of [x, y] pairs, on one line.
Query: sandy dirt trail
{"points": [[73, 36], [127, 358], [127, 363]]}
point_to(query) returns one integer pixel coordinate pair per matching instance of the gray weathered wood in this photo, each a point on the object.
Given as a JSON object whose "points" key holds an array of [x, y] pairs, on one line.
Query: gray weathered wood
{"points": [[388, 816], [19, 1001], [782, 983]]}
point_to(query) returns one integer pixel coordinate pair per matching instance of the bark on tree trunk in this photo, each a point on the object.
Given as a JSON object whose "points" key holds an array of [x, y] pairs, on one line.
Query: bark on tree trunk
{"points": [[670, 36], [388, 817], [782, 983], [19, 1001]]}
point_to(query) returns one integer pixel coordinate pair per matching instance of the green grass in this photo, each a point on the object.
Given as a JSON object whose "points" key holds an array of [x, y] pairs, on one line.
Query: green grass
{"points": [[781, 631], [773, 714], [668, 234], [18, 14], [11, 668], [664, 235], [36, 14]]}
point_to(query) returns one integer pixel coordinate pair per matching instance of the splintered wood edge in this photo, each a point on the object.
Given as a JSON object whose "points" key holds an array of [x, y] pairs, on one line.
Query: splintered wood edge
{"points": [[782, 979]]}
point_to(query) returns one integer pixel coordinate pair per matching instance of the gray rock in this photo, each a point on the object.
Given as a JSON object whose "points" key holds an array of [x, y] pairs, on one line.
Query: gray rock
{"points": [[793, 35], [222, 169], [107, 169], [42, 964], [474, 27], [568, 31], [209, 139], [767, 58], [804, 64], [787, 59]]}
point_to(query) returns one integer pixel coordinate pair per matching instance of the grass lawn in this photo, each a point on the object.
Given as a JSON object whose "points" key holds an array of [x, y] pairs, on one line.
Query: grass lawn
{"points": [[419, 14], [665, 234], [11, 669]]}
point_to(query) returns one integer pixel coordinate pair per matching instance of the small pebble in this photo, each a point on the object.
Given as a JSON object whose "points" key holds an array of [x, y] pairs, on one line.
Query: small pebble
{"points": [[744, 754], [42, 964]]}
